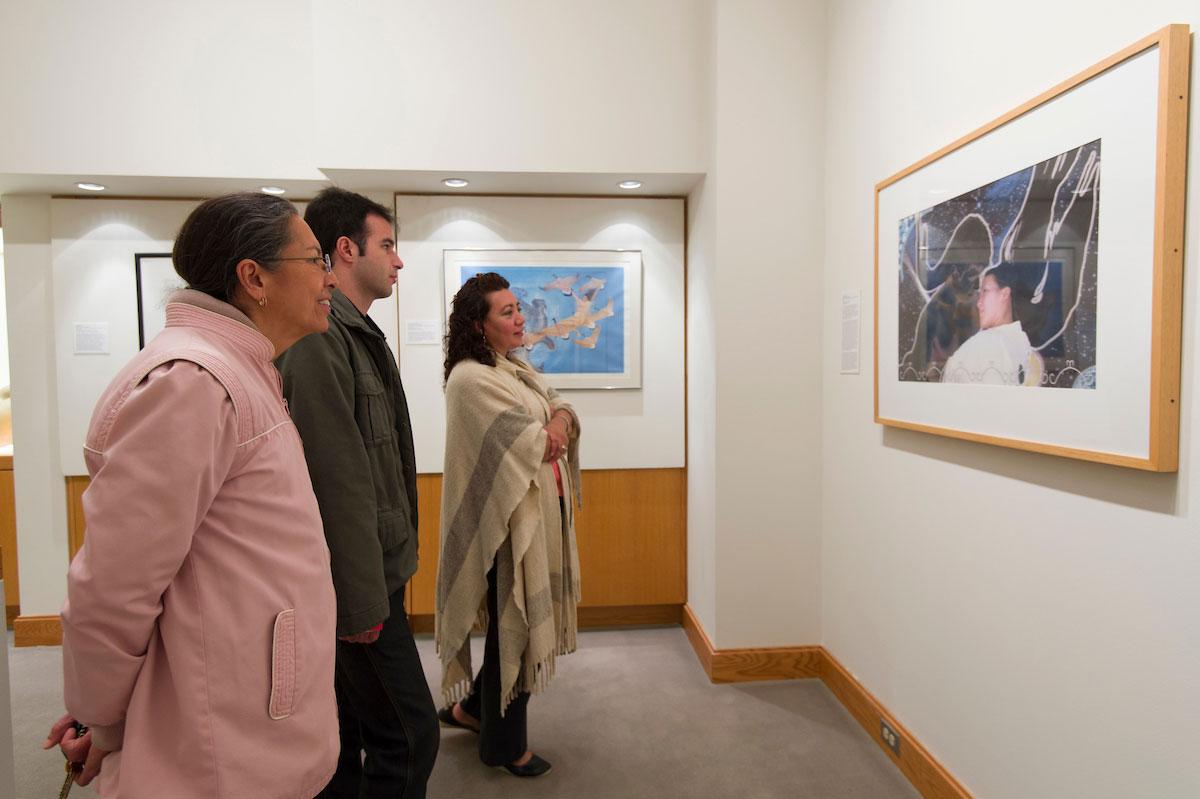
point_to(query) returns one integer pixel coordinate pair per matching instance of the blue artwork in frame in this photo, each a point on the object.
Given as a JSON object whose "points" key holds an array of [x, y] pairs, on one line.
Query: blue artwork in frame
{"points": [[582, 310]]}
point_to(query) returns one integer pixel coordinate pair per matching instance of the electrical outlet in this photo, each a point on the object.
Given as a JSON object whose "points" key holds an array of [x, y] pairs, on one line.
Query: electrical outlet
{"points": [[889, 736]]}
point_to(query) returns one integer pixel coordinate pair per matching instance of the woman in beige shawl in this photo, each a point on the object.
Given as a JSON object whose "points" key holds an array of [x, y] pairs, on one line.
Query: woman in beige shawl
{"points": [[507, 535]]}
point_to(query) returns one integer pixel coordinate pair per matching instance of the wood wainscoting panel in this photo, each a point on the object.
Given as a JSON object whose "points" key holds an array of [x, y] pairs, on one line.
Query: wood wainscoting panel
{"points": [[423, 585], [631, 533], [8, 542], [37, 631], [591, 618], [632, 545], [76, 485], [632, 537]]}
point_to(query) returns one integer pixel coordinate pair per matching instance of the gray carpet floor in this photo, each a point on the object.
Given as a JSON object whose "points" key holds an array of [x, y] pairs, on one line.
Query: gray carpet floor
{"points": [[630, 715]]}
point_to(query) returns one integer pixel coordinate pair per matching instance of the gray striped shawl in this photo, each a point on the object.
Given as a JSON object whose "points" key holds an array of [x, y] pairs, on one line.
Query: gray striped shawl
{"points": [[500, 501]]}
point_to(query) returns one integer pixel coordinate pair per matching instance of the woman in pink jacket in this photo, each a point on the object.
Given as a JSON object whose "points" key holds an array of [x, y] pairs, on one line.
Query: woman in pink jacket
{"points": [[198, 632]]}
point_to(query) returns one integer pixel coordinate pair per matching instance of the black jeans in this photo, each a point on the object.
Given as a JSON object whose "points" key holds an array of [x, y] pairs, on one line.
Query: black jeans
{"points": [[384, 708], [502, 739]]}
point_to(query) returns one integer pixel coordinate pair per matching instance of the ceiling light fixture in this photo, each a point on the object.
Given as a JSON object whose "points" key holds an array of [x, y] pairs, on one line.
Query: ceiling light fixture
{"points": [[91, 186], [629, 184], [273, 190], [455, 183]]}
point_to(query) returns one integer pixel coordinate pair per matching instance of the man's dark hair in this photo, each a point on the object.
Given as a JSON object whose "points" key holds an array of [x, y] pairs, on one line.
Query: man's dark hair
{"points": [[336, 212], [470, 306], [223, 231]]}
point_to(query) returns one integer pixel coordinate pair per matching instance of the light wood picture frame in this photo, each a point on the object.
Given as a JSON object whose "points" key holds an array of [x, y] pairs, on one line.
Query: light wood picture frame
{"points": [[1019, 304]]}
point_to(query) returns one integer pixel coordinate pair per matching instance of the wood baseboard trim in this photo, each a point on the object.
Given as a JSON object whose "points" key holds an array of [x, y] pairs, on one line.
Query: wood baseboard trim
{"points": [[915, 762], [699, 639], [420, 622], [37, 631], [592, 618], [629, 616], [745, 665], [10, 614]]}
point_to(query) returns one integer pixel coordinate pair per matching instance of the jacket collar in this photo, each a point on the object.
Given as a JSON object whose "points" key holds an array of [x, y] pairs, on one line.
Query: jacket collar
{"points": [[345, 312], [188, 307]]}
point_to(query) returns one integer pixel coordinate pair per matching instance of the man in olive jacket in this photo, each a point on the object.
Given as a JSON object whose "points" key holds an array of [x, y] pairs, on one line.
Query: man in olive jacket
{"points": [[346, 400]]}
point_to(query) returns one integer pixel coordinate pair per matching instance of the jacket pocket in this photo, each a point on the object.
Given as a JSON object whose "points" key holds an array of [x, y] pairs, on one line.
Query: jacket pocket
{"points": [[393, 529], [371, 408], [283, 665]]}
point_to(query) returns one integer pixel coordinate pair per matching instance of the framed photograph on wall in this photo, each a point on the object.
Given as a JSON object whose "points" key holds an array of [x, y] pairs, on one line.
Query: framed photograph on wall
{"points": [[156, 279], [582, 308], [1028, 275]]}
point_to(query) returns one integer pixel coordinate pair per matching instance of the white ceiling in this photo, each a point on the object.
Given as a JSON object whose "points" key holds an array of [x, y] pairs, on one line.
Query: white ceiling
{"points": [[410, 182]]}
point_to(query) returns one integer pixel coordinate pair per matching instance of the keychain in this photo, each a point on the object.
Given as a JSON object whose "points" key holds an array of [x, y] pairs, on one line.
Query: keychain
{"points": [[72, 768]]}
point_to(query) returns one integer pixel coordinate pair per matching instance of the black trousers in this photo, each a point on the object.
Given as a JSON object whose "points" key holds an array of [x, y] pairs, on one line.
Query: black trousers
{"points": [[502, 739], [386, 710]]}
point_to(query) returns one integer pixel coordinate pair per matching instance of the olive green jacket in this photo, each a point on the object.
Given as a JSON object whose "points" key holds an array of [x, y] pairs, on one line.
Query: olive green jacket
{"points": [[344, 391]]}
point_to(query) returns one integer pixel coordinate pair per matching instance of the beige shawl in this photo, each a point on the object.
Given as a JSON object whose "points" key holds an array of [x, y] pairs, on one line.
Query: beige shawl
{"points": [[500, 501]]}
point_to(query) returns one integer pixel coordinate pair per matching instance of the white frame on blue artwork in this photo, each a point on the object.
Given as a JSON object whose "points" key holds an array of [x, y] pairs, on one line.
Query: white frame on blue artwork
{"points": [[606, 310]]}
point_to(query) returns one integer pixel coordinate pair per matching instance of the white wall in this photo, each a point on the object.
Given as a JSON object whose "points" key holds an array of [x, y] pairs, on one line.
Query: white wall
{"points": [[511, 85], [1032, 620], [638, 428], [7, 767], [702, 368], [72, 261], [755, 274], [142, 87], [38, 480], [94, 242], [3, 320], [281, 89]]}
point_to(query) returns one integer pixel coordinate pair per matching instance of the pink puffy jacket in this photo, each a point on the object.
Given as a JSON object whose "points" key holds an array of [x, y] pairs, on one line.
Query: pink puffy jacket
{"points": [[198, 632]]}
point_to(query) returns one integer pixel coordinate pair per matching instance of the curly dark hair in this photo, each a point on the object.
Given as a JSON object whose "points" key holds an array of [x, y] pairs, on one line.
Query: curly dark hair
{"points": [[469, 308]]}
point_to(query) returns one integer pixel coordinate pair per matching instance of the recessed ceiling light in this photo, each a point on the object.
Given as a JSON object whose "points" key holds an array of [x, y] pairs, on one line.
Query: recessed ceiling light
{"points": [[273, 190], [629, 184], [455, 183], [91, 186]]}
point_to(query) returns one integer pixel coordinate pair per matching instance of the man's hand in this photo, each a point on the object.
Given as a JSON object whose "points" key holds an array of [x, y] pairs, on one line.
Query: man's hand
{"points": [[365, 637]]}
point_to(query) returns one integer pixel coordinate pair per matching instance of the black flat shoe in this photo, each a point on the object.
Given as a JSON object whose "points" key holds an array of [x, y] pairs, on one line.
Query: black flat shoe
{"points": [[446, 716], [536, 767]]}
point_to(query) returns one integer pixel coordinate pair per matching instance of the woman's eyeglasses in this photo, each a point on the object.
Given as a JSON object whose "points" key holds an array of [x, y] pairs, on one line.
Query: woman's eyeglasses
{"points": [[322, 262]]}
